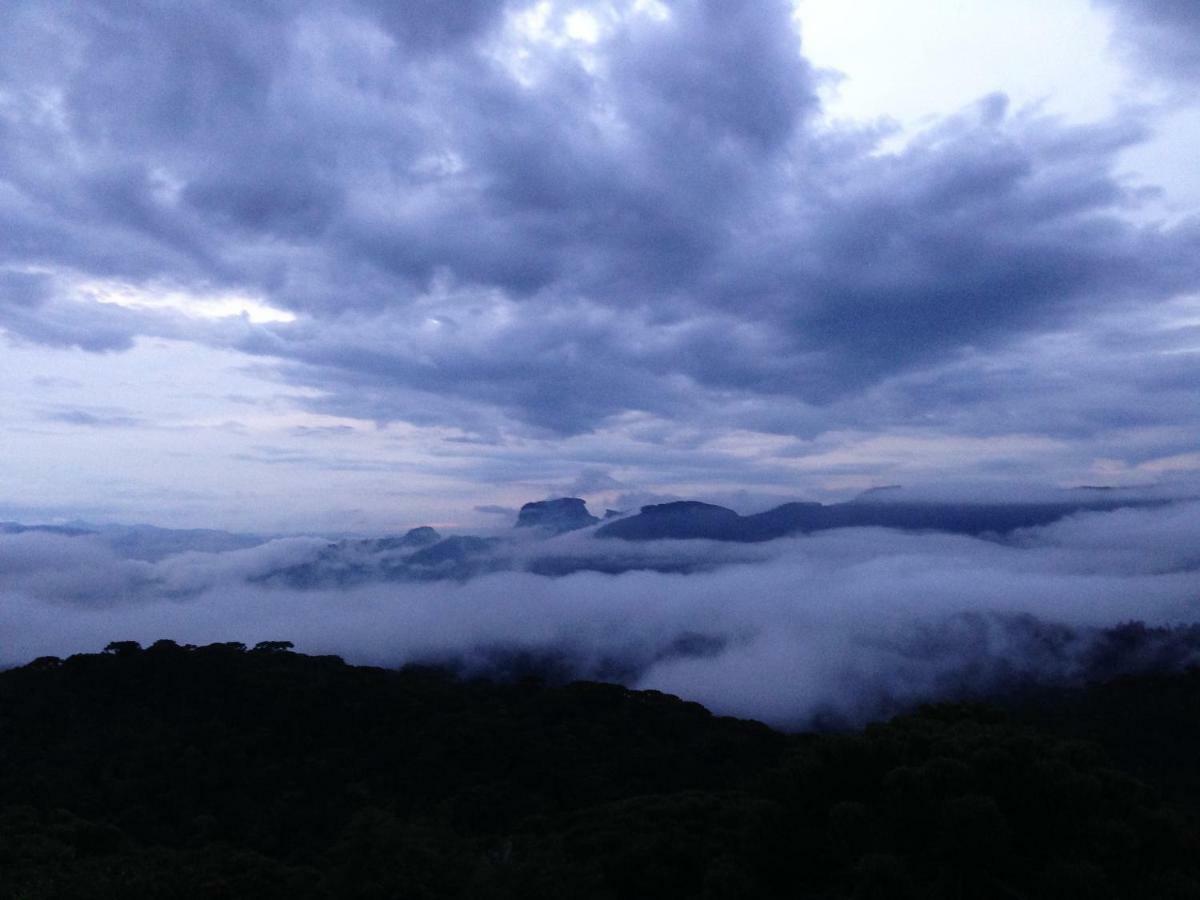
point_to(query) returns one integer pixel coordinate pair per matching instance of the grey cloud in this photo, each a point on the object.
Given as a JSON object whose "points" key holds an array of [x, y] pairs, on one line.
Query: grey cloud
{"points": [[1118, 388], [55, 382], [86, 419], [987, 231], [660, 226], [285, 456], [1164, 35], [427, 25], [532, 463], [322, 431], [51, 310], [591, 480], [1135, 540], [56, 323], [62, 571], [490, 509], [984, 229], [546, 365], [24, 288]]}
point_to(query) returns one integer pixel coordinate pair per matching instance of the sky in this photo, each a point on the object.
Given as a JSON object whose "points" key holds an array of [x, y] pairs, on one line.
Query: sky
{"points": [[352, 265]]}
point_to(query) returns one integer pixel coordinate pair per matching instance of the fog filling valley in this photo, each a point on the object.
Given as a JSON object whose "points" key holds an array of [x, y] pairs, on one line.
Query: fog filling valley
{"points": [[832, 628]]}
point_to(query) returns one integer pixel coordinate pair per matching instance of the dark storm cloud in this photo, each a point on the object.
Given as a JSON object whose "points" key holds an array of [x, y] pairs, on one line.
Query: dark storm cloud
{"points": [[658, 222], [1163, 34], [1124, 372], [983, 229]]}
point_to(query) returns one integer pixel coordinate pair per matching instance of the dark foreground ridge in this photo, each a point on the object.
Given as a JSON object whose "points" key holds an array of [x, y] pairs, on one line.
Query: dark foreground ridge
{"points": [[224, 772]]}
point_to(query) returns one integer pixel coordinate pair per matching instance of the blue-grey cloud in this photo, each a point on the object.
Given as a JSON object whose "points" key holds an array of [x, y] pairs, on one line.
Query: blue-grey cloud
{"points": [[33, 309], [657, 223], [95, 419], [1164, 35], [492, 509]]}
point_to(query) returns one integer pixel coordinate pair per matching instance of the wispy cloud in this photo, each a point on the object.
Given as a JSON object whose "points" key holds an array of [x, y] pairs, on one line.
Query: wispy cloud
{"points": [[87, 419]]}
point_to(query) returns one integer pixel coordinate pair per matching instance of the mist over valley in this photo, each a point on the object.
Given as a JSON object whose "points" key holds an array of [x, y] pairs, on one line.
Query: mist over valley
{"points": [[825, 620]]}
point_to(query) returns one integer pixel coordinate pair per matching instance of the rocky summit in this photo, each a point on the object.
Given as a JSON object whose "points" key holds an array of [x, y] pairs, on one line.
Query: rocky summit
{"points": [[563, 514]]}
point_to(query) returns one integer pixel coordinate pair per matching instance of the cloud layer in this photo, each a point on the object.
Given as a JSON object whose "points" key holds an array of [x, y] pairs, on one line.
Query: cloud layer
{"points": [[837, 627], [541, 216], [1164, 35]]}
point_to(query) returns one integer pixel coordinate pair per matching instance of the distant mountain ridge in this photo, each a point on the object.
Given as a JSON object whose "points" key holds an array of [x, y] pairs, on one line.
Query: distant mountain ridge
{"points": [[692, 520], [561, 544], [350, 562], [559, 516], [64, 530], [148, 543], [559, 536]]}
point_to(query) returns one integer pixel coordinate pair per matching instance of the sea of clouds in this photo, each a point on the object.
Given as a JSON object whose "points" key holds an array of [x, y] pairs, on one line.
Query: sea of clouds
{"points": [[834, 628]]}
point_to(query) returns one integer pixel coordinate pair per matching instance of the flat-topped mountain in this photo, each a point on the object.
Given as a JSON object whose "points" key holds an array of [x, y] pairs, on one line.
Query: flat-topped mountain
{"points": [[560, 515], [424, 555], [690, 520]]}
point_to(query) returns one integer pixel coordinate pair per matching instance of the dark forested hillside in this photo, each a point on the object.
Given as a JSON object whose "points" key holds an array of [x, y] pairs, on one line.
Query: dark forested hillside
{"points": [[224, 772]]}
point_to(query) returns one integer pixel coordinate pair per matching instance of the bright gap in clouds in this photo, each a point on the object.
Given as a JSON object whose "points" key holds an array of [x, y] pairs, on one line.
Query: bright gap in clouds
{"points": [[216, 305], [582, 26], [910, 62]]}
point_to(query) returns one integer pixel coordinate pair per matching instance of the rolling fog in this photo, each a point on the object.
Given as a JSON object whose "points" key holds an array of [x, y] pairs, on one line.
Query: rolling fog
{"points": [[835, 628]]}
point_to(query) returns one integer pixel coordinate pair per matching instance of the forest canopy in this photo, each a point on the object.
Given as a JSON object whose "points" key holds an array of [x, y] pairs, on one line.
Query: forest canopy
{"points": [[181, 771]]}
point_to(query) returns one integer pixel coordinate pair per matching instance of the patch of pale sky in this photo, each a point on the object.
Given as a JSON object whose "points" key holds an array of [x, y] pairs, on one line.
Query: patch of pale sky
{"points": [[652, 8], [541, 25], [582, 26], [202, 440], [1168, 160], [216, 305], [212, 444], [912, 452], [914, 62], [1118, 472], [749, 445]]}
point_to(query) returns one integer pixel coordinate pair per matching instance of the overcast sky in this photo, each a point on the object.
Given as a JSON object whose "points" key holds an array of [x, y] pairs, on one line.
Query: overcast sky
{"points": [[360, 265]]}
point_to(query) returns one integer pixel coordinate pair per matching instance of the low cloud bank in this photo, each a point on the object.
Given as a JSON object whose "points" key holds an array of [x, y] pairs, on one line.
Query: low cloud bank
{"points": [[834, 628]]}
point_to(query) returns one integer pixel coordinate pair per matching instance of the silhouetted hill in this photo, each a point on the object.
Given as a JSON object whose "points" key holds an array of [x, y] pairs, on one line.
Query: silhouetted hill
{"points": [[150, 543], [64, 530], [224, 772], [350, 562], [687, 520], [556, 516]]}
